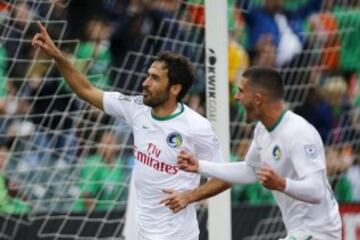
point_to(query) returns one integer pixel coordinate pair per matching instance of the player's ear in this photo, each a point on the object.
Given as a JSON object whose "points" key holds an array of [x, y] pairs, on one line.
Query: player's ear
{"points": [[258, 99], [175, 89]]}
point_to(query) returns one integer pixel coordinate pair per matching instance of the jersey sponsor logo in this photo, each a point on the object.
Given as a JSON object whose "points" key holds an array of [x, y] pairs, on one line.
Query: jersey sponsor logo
{"points": [[151, 161], [174, 139], [311, 151], [276, 153]]}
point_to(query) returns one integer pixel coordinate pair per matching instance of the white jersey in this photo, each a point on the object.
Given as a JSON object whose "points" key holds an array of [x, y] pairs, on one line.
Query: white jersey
{"points": [[294, 149], [157, 142]]}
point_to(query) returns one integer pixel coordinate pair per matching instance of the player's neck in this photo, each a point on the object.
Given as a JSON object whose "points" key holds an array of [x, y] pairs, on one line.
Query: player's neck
{"points": [[273, 115], [164, 110]]}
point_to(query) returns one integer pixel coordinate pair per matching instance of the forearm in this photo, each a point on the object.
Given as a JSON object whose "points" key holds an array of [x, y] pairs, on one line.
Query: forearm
{"points": [[238, 172], [209, 189], [311, 189], [76, 80]]}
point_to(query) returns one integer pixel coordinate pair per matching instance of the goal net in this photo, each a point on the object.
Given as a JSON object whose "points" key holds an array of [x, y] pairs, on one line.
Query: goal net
{"points": [[66, 166], [321, 83]]}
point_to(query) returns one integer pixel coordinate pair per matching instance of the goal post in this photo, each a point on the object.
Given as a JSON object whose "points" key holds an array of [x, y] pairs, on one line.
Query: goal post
{"points": [[217, 102]]}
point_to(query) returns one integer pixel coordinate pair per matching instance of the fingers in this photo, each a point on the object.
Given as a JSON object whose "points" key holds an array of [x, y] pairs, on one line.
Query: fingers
{"points": [[176, 208], [184, 154], [169, 198], [173, 202], [42, 28], [38, 40], [168, 191]]}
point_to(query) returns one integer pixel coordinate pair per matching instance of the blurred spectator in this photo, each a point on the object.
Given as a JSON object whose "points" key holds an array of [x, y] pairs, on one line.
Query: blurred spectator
{"points": [[96, 48], [102, 177], [283, 26], [353, 176], [325, 34], [238, 61], [19, 29], [54, 129], [338, 159], [11, 199], [348, 23], [53, 10], [335, 92], [79, 14], [128, 17], [13, 107], [318, 112], [3, 70], [195, 102]]}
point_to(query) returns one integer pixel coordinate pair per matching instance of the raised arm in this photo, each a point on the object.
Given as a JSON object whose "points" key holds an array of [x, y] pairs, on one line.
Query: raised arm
{"points": [[76, 80]]}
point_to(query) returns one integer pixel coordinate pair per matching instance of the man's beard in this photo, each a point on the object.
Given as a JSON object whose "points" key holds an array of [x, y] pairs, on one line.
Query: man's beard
{"points": [[156, 101]]}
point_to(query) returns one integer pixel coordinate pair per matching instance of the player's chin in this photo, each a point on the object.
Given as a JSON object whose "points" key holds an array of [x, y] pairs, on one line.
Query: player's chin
{"points": [[147, 100], [249, 119]]}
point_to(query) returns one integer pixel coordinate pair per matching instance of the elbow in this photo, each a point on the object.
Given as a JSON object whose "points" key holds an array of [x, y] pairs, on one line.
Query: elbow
{"points": [[315, 200], [316, 197]]}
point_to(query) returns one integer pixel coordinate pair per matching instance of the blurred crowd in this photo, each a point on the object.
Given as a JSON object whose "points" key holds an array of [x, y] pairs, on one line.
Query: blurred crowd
{"points": [[71, 151]]}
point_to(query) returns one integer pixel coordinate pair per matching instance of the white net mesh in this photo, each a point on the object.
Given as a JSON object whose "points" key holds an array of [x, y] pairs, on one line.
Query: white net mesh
{"points": [[321, 85], [67, 165]]}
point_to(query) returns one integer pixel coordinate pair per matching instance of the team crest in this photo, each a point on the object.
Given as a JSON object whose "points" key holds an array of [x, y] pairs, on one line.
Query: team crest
{"points": [[276, 153], [174, 140], [310, 151]]}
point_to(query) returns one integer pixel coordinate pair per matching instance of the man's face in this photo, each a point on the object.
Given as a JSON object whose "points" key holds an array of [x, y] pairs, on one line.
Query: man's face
{"points": [[156, 86], [247, 97]]}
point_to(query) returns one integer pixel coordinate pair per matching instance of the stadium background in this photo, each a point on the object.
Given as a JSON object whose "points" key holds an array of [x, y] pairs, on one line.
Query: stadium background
{"points": [[65, 166]]}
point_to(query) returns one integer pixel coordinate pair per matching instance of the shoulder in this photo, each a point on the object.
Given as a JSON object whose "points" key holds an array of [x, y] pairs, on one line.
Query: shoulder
{"points": [[195, 121], [297, 127], [120, 97]]}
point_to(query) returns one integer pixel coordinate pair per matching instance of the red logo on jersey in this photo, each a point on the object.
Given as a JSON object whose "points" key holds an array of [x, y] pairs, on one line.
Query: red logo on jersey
{"points": [[150, 160]]}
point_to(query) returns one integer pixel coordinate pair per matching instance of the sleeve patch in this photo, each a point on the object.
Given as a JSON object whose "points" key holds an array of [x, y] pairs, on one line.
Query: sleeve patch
{"points": [[216, 142], [311, 151]]}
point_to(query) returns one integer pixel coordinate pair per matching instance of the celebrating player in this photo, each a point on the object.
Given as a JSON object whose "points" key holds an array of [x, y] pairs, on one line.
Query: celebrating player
{"points": [[162, 125], [286, 155]]}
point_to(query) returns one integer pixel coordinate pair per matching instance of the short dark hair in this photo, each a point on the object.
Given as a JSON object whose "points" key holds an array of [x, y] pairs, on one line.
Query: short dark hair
{"points": [[266, 78], [180, 71]]}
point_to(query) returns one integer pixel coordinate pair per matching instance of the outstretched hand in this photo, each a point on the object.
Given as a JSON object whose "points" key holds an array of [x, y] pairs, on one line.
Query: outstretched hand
{"points": [[187, 162], [44, 41]]}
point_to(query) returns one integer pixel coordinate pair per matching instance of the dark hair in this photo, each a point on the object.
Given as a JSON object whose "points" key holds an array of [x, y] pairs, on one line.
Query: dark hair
{"points": [[180, 71], [266, 78]]}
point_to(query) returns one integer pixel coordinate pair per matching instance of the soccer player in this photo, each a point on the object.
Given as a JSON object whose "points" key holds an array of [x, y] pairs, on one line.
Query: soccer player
{"points": [[162, 125], [286, 155]]}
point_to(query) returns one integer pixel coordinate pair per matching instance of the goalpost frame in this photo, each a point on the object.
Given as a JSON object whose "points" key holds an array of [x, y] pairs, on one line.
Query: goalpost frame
{"points": [[217, 105]]}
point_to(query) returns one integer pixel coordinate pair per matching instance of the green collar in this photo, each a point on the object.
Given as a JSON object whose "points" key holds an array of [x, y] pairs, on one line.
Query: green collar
{"points": [[272, 127], [171, 116]]}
